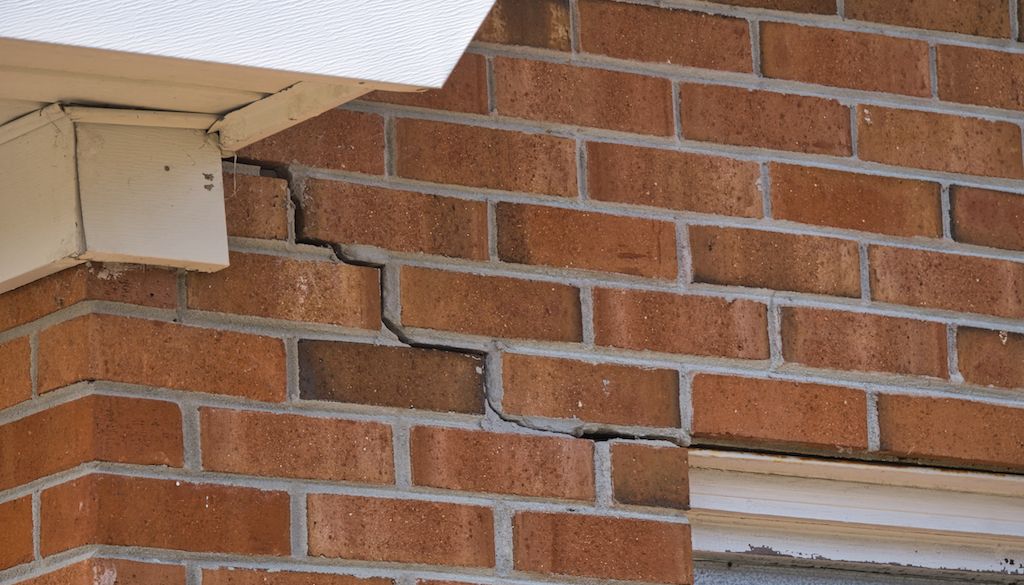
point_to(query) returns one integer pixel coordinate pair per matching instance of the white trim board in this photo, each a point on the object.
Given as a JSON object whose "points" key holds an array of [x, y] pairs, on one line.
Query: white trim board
{"points": [[827, 512]]}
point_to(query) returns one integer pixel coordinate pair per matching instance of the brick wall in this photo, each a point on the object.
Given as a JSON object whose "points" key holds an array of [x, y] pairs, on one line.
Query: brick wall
{"points": [[467, 335]]}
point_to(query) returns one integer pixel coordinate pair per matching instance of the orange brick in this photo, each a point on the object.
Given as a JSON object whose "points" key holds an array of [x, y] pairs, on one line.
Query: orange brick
{"points": [[15, 373], [553, 92], [234, 576], [348, 213], [838, 58], [614, 548], [133, 511], [947, 281], [153, 353], [16, 537], [403, 531], [524, 465], [764, 119], [650, 475], [337, 139], [535, 23], [979, 76], [400, 377], [671, 323], [256, 207], [749, 412], [94, 428], [599, 393], [950, 431], [112, 572], [991, 358], [854, 341], [886, 205], [742, 257], [285, 288], [283, 445], [661, 35], [464, 91], [566, 238], [494, 306], [440, 152], [939, 142], [674, 180], [988, 18], [811, 6], [987, 218]]}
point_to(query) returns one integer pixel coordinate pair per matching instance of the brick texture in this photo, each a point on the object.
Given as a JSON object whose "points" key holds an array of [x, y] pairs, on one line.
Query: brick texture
{"points": [[650, 475], [987, 218], [987, 18], [234, 576], [112, 572], [810, 6], [255, 206], [16, 538], [979, 76], [338, 140], [990, 358], [15, 372], [464, 91], [534, 23]]}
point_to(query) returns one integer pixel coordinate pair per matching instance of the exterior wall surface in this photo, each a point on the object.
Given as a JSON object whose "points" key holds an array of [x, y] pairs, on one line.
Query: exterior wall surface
{"points": [[467, 336]]}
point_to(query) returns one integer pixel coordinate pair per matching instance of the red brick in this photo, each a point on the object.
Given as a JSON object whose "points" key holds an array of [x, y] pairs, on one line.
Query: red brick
{"points": [[94, 428], [494, 306], [403, 531], [16, 537], [284, 445], [348, 213], [120, 283], [582, 96], [745, 411], [939, 142], [234, 576], [991, 358], [154, 353], [650, 475], [885, 205], [979, 76], [464, 91], [15, 373], [685, 324], [400, 377], [599, 393], [523, 465], [276, 287], [337, 139], [674, 180], [845, 59], [988, 18], [535, 23], [987, 218], [256, 207], [810, 6], [156, 513], [950, 431], [742, 257], [733, 115], [112, 572], [566, 238], [605, 548], [854, 341], [483, 157], [953, 282], [662, 35]]}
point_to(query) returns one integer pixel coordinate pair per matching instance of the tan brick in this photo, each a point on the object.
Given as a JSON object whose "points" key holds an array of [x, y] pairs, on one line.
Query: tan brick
{"points": [[111, 572], [276, 287], [988, 18], [284, 445], [674, 180], [650, 475], [582, 96], [494, 306], [154, 353], [598, 393], [979, 76], [256, 207], [684, 324], [991, 358], [233, 576], [403, 531], [566, 238], [337, 139], [987, 218], [523, 465], [885, 205], [855, 341], [662, 35], [15, 372], [753, 258], [776, 413], [464, 91], [348, 213], [400, 377], [535, 23], [733, 115], [16, 537], [133, 511], [939, 142], [810, 6], [440, 152]]}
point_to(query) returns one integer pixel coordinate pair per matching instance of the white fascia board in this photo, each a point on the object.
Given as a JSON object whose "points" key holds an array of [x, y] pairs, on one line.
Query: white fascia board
{"points": [[824, 512]]}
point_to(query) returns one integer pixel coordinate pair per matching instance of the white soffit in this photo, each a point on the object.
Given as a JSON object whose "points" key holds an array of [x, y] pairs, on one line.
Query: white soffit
{"points": [[792, 509]]}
